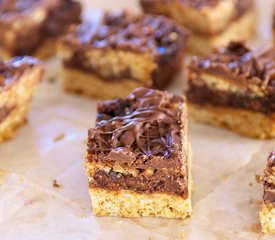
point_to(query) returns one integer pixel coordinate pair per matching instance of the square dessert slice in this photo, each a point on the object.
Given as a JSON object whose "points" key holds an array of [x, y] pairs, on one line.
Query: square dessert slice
{"points": [[138, 157], [213, 23], [116, 53], [267, 215], [18, 80], [32, 27], [234, 88]]}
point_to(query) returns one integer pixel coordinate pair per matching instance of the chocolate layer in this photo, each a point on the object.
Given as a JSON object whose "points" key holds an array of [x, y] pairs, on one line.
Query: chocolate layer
{"points": [[4, 112], [204, 95], [161, 182], [157, 36], [240, 65], [142, 132], [20, 19], [268, 180], [13, 69]]}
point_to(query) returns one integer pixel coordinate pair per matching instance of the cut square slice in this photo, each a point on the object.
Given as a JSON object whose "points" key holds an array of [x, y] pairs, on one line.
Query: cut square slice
{"points": [[234, 88], [116, 53], [267, 215], [138, 157], [32, 27], [19, 78], [213, 23]]}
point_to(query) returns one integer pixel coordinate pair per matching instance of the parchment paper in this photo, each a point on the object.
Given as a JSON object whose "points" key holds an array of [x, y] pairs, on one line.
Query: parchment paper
{"points": [[44, 192]]}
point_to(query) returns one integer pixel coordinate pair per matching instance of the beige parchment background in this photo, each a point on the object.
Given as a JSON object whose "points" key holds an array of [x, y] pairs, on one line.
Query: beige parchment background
{"points": [[227, 197]]}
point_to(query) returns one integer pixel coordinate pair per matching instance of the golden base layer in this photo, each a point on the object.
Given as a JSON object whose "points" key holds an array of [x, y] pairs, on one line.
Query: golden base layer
{"points": [[267, 218], [14, 120], [46, 50], [125, 203], [18, 97], [248, 123], [90, 85], [240, 30]]}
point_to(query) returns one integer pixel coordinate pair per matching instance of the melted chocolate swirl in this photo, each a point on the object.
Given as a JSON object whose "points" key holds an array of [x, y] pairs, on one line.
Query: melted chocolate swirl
{"points": [[145, 123]]}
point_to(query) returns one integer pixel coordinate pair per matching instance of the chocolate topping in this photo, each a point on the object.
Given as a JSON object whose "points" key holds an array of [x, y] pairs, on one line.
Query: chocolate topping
{"points": [[144, 125], [41, 18], [239, 64], [140, 33], [268, 180], [12, 70], [271, 160], [160, 181]]}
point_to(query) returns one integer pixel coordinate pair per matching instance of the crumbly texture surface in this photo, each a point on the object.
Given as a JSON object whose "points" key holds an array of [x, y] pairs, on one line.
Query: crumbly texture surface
{"points": [[18, 81], [267, 215], [244, 122], [145, 49], [43, 20], [131, 204], [140, 147]]}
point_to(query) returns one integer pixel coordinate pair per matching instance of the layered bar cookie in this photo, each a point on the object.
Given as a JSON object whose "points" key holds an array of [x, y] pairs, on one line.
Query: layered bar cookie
{"points": [[213, 23], [234, 88], [267, 215], [138, 158], [111, 56], [18, 80], [32, 27]]}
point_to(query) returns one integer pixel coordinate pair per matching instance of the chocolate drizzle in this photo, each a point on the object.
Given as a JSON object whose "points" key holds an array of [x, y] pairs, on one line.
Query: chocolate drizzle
{"points": [[138, 33], [268, 179], [241, 65], [146, 123]]}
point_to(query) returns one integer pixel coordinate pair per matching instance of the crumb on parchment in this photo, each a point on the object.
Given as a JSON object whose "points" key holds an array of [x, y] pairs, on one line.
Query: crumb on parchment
{"points": [[258, 178], [59, 137], [56, 184]]}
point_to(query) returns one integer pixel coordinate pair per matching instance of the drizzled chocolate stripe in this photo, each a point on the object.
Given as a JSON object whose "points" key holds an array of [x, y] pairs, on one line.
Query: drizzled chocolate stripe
{"points": [[146, 125]]}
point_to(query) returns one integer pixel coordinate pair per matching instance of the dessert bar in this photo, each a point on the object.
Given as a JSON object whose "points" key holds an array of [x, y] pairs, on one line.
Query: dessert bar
{"points": [[138, 157], [267, 215], [213, 23], [234, 88], [18, 80], [32, 27], [110, 56]]}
